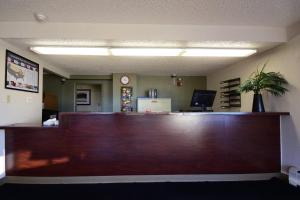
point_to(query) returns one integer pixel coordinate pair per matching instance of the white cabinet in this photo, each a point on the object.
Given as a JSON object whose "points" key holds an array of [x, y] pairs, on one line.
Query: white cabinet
{"points": [[154, 104]]}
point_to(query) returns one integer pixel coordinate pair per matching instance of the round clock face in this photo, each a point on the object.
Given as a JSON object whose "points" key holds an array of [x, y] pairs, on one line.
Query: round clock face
{"points": [[124, 80]]}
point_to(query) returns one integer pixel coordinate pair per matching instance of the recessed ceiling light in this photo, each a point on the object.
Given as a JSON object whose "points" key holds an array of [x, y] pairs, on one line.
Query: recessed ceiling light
{"points": [[96, 51], [145, 51], [204, 52]]}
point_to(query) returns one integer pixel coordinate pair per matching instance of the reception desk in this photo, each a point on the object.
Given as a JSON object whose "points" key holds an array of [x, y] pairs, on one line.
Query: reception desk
{"points": [[118, 144]]}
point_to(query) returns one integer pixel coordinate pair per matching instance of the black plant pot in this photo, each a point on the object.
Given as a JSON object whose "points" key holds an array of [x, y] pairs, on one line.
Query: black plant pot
{"points": [[258, 104]]}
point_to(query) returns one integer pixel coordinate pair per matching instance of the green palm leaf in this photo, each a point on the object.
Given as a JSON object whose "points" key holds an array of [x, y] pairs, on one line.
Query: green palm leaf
{"points": [[272, 82]]}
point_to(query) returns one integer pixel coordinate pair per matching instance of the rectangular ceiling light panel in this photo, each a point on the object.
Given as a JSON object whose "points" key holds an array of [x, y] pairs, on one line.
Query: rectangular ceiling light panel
{"points": [[218, 52], [106, 51], [145, 51], [94, 51]]}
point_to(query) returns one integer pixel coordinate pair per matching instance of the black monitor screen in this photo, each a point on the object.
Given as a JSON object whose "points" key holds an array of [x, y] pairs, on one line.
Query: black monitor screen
{"points": [[203, 98]]}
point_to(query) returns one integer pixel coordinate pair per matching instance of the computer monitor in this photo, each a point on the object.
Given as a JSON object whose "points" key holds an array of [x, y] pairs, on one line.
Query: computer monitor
{"points": [[203, 99]]}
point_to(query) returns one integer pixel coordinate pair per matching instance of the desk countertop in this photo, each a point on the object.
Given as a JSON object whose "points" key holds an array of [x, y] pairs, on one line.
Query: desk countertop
{"points": [[28, 125]]}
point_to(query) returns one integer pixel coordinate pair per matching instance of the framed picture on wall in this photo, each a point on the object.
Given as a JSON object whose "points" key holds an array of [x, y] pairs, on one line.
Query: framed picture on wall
{"points": [[83, 97], [21, 73]]}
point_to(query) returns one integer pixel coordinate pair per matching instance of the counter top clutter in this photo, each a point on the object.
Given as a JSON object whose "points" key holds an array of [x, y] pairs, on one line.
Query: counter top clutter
{"points": [[114, 144], [51, 122]]}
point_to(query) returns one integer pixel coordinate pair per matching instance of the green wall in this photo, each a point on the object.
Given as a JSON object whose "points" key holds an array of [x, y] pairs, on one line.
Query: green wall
{"points": [[111, 89], [96, 97], [68, 96], [117, 90], [181, 96], [70, 88]]}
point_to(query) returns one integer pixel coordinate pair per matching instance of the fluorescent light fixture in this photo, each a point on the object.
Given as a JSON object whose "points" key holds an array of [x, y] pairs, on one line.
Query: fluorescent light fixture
{"points": [[93, 51], [145, 51], [106, 51], [204, 52]]}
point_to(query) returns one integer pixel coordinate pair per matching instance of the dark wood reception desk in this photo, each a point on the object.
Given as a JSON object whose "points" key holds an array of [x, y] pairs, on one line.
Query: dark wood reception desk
{"points": [[109, 144]]}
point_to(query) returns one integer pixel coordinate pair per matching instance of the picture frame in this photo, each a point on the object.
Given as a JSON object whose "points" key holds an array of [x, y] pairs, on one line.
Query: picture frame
{"points": [[21, 73], [83, 97]]}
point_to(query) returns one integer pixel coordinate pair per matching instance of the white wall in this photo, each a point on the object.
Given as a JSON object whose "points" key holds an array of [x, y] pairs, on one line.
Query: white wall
{"points": [[22, 107], [286, 60]]}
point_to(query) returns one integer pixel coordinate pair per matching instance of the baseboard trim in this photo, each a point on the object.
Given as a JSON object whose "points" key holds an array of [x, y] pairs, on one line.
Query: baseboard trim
{"points": [[140, 179]]}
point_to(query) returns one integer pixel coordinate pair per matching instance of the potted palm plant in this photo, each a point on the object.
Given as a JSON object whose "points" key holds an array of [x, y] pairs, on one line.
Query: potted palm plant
{"points": [[272, 82]]}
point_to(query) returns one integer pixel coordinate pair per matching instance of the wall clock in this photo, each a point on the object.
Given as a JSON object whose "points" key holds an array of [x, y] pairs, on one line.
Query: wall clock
{"points": [[124, 80]]}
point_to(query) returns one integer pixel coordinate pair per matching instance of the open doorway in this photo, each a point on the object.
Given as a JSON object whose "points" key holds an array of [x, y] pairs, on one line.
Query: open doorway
{"points": [[52, 94], [88, 97]]}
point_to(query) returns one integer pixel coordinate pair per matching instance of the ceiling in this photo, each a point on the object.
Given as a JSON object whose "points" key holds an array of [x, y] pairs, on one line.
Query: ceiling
{"points": [[105, 65], [259, 24], [197, 12]]}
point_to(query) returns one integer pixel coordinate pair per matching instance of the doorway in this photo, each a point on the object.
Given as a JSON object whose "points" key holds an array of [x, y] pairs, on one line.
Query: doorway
{"points": [[52, 95]]}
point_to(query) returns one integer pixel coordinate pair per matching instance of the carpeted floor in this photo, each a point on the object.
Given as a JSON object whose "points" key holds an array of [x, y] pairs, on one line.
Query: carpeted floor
{"points": [[273, 189]]}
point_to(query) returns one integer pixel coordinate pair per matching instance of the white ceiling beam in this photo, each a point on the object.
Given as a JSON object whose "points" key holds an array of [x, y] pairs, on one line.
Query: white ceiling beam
{"points": [[141, 32]]}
